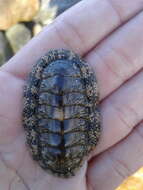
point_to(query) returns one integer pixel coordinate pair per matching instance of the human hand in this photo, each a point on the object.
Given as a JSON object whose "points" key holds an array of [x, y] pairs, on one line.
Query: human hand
{"points": [[96, 30]]}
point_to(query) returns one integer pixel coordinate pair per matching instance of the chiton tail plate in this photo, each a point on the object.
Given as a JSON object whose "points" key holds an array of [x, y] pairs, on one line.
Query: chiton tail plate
{"points": [[61, 112]]}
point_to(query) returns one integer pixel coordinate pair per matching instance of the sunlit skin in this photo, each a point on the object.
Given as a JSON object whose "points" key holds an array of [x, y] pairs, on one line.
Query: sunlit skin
{"points": [[108, 34]]}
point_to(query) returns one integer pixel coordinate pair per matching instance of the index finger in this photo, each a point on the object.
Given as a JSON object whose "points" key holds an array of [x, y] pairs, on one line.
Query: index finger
{"points": [[78, 29]]}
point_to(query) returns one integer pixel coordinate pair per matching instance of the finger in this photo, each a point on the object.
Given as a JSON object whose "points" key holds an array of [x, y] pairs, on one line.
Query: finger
{"points": [[119, 56], [118, 162], [10, 108], [79, 29], [121, 112]]}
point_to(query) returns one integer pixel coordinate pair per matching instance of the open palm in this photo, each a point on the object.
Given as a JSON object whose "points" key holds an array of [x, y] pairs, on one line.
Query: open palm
{"points": [[108, 34]]}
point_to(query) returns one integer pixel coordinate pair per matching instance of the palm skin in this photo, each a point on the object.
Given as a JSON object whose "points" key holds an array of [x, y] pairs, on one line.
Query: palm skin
{"points": [[114, 50]]}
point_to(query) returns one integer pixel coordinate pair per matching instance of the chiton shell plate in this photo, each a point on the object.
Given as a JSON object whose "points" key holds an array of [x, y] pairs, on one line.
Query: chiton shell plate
{"points": [[61, 112]]}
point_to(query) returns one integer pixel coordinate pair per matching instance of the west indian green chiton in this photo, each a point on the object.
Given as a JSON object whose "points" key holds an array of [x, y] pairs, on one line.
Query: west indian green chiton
{"points": [[61, 112]]}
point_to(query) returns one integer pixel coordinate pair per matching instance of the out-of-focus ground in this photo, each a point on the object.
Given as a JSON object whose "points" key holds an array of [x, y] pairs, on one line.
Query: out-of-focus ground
{"points": [[20, 20], [134, 182]]}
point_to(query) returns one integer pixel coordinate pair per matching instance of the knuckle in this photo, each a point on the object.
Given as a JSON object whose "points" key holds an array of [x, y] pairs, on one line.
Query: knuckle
{"points": [[119, 166], [116, 10], [68, 33], [126, 113]]}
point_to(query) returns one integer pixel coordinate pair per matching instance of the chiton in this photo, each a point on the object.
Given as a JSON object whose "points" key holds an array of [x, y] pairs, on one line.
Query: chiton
{"points": [[61, 112]]}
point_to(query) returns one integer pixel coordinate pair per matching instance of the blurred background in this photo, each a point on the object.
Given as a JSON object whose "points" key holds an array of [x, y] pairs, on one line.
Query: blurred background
{"points": [[20, 20]]}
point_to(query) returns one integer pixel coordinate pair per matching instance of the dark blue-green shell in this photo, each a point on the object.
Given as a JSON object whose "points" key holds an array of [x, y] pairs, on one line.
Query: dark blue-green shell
{"points": [[60, 114]]}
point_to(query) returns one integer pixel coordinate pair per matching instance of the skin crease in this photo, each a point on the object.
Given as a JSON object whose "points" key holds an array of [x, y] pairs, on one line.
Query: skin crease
{"points": [[113, 48]]}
